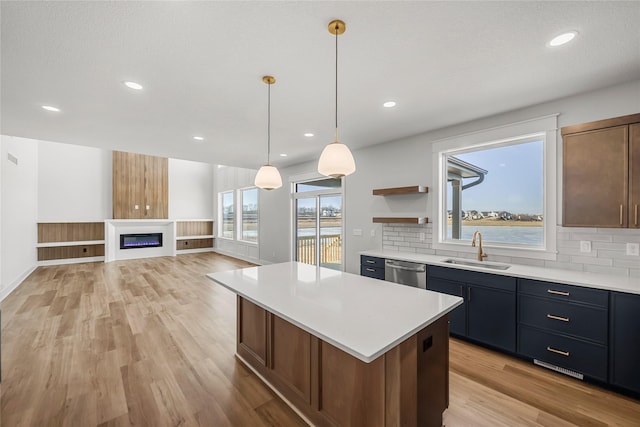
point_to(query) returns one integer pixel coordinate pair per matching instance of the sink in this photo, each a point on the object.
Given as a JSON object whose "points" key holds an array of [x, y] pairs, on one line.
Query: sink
{"points": [[477, 264]]}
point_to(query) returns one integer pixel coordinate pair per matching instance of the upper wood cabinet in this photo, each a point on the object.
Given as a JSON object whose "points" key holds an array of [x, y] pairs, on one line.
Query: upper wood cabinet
{"points": [[601, 173], [140, 186]]}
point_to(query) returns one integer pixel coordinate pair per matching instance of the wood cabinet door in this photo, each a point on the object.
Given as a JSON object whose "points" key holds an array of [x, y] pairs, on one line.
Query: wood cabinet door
{"points": [[595, 178], [156, 187], [128, 185], [634, 176], [252, 331]]}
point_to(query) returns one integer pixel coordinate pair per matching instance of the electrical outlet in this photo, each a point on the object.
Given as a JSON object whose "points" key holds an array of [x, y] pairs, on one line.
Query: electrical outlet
{"points": [[585, 246], [633, 249], [357, 232], [373, 232]]}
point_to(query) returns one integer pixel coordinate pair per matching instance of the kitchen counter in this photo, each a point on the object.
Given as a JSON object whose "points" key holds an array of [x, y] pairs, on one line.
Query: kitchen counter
{"points": [[342, 349], [361, 316], [589, 280]]}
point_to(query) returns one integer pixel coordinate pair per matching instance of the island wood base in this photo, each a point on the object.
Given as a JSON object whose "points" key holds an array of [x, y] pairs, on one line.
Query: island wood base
{"points": [[406, 386]]}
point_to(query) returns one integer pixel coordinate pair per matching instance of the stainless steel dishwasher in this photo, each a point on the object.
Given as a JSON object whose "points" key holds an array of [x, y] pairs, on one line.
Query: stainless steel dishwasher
{"points": [[406, 273]]}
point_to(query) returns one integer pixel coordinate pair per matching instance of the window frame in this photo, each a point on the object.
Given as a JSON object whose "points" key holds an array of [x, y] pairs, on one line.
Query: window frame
{"points": [[544, 128], [240, 218], [238, 215]]}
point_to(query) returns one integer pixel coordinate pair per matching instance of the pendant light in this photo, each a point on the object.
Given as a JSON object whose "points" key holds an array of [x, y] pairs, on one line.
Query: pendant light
{"points": [[268, 177], [336, 160]]}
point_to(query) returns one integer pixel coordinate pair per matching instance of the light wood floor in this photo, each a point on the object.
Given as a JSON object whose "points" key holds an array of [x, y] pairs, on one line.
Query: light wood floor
{"points": [[152, 342]]}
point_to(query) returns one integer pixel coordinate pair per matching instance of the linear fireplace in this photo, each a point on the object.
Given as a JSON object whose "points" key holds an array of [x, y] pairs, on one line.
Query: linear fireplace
{"points": [[136, 241]]}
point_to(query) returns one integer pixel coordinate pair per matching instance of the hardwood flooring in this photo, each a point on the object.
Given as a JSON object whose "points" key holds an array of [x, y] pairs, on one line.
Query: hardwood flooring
{"points": [[151, 343]]}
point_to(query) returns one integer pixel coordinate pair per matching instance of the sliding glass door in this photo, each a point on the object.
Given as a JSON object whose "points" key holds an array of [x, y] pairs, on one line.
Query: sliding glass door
{"points": [[318, 223]]}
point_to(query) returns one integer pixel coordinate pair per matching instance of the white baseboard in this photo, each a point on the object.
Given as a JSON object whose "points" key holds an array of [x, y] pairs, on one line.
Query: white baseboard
{"points": [[193, 251], [5, 291], [238, 256]]}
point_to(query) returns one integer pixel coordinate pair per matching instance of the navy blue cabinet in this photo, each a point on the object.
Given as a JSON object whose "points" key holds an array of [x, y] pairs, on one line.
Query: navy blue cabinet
{"points": [[565, 326], [372, 266], [488, 315], [625, 341]]}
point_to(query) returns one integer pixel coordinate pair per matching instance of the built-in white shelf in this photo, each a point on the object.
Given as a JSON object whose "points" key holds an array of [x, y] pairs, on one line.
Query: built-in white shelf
{"points": [[207, 236], [73, 243]]}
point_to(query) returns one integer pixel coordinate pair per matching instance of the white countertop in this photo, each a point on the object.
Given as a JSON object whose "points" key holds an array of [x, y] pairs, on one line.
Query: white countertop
{"points": [[590, 280], [362, 316]]}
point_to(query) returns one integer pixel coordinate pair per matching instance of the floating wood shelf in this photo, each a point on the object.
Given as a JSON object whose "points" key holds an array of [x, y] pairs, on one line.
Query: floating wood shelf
{"points": [[414, 189], [397, 220]]}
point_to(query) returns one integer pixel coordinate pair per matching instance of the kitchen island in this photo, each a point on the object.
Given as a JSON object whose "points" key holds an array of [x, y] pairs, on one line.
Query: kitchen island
{"points": [[342, 349]]}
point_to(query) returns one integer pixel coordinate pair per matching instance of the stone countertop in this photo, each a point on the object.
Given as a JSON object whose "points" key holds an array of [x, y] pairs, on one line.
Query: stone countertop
{"points": [[362, 316], [578, 278]]}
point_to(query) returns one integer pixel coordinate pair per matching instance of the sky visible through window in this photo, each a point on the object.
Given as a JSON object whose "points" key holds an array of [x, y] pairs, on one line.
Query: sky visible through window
{"points": [[514, 182]]}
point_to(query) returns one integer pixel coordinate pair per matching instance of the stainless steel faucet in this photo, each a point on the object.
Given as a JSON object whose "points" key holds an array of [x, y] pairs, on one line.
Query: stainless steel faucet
{"points": [[481, 253]]}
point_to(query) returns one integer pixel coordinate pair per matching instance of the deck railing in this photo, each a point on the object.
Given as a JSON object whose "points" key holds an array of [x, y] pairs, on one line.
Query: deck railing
{"points": [[330, 249]]}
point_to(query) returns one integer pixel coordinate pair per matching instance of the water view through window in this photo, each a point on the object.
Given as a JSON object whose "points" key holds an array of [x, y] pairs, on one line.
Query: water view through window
{"points": [[499, 191]]}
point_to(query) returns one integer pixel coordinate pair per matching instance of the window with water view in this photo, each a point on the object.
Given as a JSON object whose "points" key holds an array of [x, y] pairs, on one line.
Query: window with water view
{"points": [[497, 190]]}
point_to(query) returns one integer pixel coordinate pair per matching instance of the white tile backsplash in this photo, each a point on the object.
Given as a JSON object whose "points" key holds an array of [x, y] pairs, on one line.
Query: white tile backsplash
{"points": [[608, 254]]}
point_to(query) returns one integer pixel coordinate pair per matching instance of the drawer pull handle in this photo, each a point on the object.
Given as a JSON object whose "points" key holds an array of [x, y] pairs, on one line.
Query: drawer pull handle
{"points": [[553, 350], [370, 262], [635, 222], [551, 291], [551, 316], [370, 269]]}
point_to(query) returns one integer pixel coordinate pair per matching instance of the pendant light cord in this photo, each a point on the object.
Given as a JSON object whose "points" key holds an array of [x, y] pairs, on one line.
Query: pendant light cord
{"points": [[337, 27], [269, 124]]}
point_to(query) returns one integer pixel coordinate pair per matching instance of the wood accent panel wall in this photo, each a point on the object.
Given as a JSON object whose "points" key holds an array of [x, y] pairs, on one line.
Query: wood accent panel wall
{"points": [[194, 228], [194, 244], [65, 252], [70, 232], [141, 181]]}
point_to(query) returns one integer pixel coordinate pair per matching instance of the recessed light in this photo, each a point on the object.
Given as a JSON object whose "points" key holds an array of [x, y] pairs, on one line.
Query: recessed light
{"points": [[563, 38], [389, 104], [133, 85], [308, 134], [198, 138], [283, 155], [50, 108]]}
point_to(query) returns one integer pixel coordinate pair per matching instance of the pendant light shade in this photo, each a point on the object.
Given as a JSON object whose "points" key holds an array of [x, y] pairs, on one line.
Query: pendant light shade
{"points": [[336, 159], [268, 177]]}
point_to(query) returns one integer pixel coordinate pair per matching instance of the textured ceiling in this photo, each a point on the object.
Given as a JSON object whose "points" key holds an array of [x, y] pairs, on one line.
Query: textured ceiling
{"points": [[201, 64]]}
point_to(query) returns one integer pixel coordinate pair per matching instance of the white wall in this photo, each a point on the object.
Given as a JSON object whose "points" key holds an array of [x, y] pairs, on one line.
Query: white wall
{"points": [[190, 190], [408, 162], [74, 183], [19, 211]]}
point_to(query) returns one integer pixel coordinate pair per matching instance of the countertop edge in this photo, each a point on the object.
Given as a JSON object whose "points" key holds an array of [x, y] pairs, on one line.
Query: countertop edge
{"points": [[605, 282]]}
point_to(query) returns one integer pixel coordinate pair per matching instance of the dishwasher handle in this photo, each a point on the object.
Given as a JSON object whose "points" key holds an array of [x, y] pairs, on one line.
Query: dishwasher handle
{"points": [[391, 264]]}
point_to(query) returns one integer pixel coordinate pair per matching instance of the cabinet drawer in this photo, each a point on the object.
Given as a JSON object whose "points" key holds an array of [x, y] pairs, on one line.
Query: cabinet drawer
{"points": [[559, 316], [375, 272], [588, 359], [480, 279], [372, 261], [562, 292]]}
